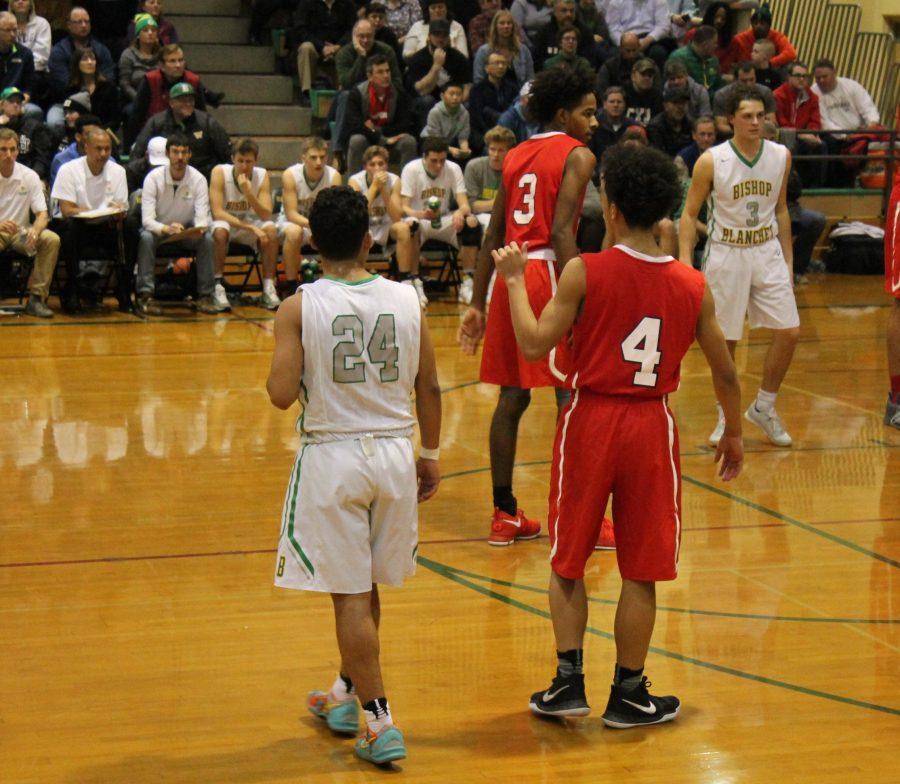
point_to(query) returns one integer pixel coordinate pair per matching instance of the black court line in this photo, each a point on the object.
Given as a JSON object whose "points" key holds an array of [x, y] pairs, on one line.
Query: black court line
{"points": [[449, 573]]}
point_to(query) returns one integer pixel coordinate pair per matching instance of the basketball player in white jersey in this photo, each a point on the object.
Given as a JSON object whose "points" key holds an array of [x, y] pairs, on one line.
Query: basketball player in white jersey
{"points": [[382, 191], [430, 176], [749, 258], [300, 184], [241, 202], [354, 346]]}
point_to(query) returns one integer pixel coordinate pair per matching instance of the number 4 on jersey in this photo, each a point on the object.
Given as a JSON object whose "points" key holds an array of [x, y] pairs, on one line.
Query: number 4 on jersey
{"points": [[641, 347]]}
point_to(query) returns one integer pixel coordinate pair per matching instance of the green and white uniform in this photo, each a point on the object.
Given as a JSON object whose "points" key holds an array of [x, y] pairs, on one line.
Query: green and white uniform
{"points": [[350, 513], [238, 205], [379, 219], [306, 195], [744, 266]]}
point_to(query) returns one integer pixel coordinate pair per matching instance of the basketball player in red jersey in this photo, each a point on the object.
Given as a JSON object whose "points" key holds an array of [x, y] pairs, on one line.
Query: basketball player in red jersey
{"points": [[538, 202], [633, 313], [892, 286]]}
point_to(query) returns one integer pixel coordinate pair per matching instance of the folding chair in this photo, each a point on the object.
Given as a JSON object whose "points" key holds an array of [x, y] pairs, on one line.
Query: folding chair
{"points": [[434, 252], [15, 269]]}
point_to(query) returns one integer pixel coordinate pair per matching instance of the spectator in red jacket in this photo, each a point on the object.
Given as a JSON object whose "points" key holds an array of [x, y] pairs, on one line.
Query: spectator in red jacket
{"points": [[761, 27], [797, 107]]}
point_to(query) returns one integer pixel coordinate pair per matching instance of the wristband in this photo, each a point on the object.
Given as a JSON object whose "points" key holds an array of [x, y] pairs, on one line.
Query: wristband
{"points": [[429, 454]]}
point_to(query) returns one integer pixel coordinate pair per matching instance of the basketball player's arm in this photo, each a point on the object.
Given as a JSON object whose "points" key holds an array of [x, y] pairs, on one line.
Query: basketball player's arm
{"points": [[578, 170], [537, 336], [408, 211], [286, 372], [289, 200], [428, 412], [261, 203], [392, 203], [217, 201], [783, 217], [730, 450], [471, 328], [701, 184]]}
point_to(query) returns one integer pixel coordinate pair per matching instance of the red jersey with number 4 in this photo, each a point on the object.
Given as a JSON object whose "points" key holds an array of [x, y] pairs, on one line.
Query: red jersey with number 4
{"points": [[637, 322], [532, 175]]}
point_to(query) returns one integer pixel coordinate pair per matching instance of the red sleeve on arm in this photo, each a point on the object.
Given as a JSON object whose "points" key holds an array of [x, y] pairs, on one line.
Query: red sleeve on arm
{"points": [[785, 52]]}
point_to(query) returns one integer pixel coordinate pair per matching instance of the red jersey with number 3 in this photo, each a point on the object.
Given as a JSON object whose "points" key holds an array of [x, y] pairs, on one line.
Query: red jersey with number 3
{"points": [[532, 175], [638, 320]]}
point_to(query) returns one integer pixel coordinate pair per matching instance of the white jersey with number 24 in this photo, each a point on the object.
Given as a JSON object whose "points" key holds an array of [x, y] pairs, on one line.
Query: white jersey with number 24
{"points": [[360, 357]]}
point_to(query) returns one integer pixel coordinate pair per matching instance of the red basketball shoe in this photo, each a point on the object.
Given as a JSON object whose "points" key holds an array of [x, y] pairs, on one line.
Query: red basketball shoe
{"points": [[607, 538], [505, 529]]}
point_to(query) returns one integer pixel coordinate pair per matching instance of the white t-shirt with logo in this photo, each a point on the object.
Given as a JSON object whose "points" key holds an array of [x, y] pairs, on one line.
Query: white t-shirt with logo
{"points": [[419, 186], [20, 194]]}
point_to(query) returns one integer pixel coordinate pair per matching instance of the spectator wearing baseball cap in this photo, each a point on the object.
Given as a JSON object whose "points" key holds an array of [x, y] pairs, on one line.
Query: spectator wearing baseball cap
{"points": [[417, 37], [35, 142], [210, 144], [670, 130], [642, 96], [432, 67]]}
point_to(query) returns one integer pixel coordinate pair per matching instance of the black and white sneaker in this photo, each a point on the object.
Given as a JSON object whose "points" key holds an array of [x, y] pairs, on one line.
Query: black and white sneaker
{"points": [[637, 707], [565, 697]]}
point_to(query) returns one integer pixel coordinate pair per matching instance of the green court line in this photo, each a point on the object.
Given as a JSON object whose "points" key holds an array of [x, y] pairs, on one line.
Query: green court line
{"points": [[791, 521], [447, 572], [683, 610], [834, 538]]}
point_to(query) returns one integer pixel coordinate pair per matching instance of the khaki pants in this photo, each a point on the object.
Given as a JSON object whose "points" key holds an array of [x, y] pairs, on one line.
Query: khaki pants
{"points": [[44, 259], [309, 64]]}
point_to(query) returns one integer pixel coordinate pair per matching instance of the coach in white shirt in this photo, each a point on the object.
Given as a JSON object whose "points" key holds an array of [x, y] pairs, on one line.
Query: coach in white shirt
{"points": [[22, 194], [175, 197], [94, 182], [843, 103]]}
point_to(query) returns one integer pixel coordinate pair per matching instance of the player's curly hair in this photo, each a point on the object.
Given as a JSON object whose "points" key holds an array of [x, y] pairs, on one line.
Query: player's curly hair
{"points": [[555, 89], [339, 220], [642, 182]]}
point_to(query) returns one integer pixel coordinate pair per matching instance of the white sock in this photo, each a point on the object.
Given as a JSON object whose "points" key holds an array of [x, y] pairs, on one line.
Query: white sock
{"points": [[720, 412], [269, 285], [378, 715], [339, 691], [765, 401]]}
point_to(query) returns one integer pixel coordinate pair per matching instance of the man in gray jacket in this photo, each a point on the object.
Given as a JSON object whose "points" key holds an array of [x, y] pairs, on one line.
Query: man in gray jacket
{"points": [[378, 111]]}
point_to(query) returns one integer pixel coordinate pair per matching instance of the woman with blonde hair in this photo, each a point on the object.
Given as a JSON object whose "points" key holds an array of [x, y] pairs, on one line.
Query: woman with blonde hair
{"points": [[505, 37]]}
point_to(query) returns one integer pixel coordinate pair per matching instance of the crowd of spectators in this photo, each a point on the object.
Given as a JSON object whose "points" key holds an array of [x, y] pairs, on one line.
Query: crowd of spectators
{"points": [[440, 81]]}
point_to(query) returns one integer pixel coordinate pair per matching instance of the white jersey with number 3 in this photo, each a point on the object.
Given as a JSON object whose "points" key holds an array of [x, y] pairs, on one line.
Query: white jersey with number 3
{"points": [[744, 196], [360, 357]]}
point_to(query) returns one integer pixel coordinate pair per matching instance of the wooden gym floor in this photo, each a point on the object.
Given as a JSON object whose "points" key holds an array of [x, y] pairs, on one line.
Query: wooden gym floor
{"points": [[142, 641]]}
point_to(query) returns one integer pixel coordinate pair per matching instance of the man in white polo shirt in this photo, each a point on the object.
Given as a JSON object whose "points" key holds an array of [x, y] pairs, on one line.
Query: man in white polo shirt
{"points": [[175, 199], [94, 182], [21, 194]]}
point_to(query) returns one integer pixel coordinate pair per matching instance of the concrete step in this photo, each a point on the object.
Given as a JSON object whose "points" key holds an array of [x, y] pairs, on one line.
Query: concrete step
{"points": [[215, 58], [201, 8], [278, 152], [252, 89], [212, 29], [252, 120]]}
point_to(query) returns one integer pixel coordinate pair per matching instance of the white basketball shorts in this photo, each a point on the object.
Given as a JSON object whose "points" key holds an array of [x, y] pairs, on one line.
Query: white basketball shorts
{"points": [[446, 233], [752, 282], [241, 236], [350, 516]]}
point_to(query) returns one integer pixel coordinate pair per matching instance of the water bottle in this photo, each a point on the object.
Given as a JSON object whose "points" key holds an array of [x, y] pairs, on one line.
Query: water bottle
{"points": [[434, 204]]}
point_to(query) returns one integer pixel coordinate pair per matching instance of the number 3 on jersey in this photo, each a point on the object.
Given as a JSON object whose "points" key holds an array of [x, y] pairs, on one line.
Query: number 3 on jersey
{"points": [[641, 346], [528, 183]]}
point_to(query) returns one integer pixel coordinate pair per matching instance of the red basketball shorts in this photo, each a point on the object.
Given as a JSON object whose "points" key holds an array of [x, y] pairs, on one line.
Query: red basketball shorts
{"points": [[892, 245], [627, 448], [501, 359]]}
